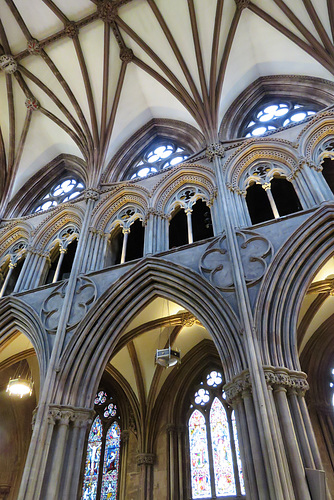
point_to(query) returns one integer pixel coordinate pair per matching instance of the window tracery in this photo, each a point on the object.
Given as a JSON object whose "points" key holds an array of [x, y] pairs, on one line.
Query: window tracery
{"points": [[101, 475], [215, 464], [157, 157], [276, 114], [62, 191]]}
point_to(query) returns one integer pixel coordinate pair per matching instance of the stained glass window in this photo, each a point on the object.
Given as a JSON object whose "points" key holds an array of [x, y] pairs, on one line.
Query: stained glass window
{"points": [[93, 460], [101, 475], [276, 114], [161, 155], [215, 463], [199, 456], [65, 190], [111, 463]]}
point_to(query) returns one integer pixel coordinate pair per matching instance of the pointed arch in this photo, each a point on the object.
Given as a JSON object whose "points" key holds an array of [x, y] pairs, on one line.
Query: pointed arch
{"points": [[91, 347], [285, 286], [15, 314], [57, 220]]}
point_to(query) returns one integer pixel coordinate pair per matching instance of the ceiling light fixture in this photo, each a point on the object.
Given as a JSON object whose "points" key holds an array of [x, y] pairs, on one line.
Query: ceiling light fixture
{"points": [[167, 357], [21, 384]]}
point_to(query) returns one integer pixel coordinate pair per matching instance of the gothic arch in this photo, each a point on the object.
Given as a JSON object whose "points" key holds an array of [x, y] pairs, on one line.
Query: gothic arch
{"points": [[92, 345], [182, 133], [110, 204], [27, 196], [57, 220], [196, 175], [320, 128], [277, 151], [15, 314], [285, 286], [13, 233]]}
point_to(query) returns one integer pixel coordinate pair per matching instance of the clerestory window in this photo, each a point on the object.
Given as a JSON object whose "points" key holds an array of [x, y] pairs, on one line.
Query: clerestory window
{"points": [[157, 157], [101, 476], [215, 464], [62, 191], [276, 114]]}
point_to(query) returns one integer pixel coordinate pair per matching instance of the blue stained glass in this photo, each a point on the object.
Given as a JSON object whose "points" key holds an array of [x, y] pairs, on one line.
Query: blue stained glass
{"points": [[237, 449], [92, 461], [199, 457], [221, 450], [111, 463]]}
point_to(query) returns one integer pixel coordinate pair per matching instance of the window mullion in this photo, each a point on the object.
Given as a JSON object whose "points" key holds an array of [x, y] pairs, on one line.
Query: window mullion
{"points": [[99, 481], [234, 452], [211, 462]]}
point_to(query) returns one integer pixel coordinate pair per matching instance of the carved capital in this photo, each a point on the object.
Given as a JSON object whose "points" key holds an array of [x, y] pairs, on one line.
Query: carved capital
{"points": [[237, 388], [170, 428], [145, 458], [280, 378], [125, 436]]}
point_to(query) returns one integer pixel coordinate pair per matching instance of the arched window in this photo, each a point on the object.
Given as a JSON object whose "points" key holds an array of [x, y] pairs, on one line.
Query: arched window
{"points": [[11, 268], [62, 255], [101, 475], [276, 114], [215, 465], [157, 157], [64, 190], [271, 200], [127, 239], [331, 386], [190, 220]]}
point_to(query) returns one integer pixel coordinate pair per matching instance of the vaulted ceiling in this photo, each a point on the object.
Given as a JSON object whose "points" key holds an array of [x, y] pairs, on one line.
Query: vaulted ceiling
{"points": [[82, 77]]}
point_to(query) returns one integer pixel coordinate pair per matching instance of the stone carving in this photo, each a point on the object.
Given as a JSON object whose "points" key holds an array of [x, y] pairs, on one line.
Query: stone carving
{"points": [[145, 458], [71, 30], [107, 10], [294, 382], [239, 385], [8, 64], [84, 297], [242, 4], [126, 55], [216, 265], [32, 104], [255, 251], [34, 47], [214, 150]]}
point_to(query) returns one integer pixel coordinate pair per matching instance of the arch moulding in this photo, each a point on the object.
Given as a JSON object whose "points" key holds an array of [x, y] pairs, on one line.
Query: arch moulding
{"points": [[97, 336]]}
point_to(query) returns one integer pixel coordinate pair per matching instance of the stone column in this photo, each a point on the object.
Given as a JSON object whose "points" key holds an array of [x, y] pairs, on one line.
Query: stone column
{"points": [[125, 435], [81, 419], [146, 461], [171, 464], [188, 212], [267, 188], [5, 283], [149, 232], [37, 261], [180, 460]]}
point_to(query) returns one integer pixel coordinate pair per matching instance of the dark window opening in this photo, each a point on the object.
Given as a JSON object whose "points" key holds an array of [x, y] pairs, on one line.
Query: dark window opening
{"points": [[135, 243], [178, 229], [14, 277], [328, 172], [114, 251], [201, 221], [67, 263], [52, 269], [258, 204], [285, 196]]}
